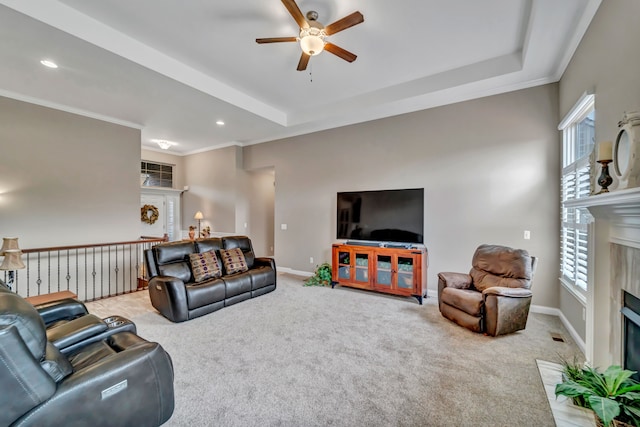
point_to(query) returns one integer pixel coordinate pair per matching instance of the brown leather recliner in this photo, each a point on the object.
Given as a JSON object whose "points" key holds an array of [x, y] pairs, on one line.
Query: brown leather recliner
{"points": [[494, 298]]}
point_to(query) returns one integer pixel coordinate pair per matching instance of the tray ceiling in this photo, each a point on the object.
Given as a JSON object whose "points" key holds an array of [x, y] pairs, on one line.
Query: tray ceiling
{"points": [[173, 68]]}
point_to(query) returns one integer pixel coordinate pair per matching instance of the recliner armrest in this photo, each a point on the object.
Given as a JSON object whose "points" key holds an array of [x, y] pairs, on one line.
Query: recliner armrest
{"points": [[76, 330], [169, 296], [265, 262], [64, 309], [508, 292], [506, 309], [455, 280]]}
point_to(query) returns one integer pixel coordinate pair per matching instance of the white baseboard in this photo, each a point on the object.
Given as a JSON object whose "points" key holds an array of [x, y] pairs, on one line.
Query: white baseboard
{"points": [[565, 322], [296, 272], [545, 310]]}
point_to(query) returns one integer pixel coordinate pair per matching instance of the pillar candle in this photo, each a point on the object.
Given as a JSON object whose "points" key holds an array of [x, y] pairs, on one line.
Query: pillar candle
{"points": [[605, 150]]}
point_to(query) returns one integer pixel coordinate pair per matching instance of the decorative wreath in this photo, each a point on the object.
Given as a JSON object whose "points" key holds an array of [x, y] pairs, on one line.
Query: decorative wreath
{"points": [[149, 214]]}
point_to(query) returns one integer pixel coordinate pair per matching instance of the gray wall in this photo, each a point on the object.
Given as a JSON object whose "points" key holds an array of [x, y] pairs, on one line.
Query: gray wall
{"points": [[214, 181], [572, 310], [489, 167], [261, 211], [66, 179], [606, 63]]}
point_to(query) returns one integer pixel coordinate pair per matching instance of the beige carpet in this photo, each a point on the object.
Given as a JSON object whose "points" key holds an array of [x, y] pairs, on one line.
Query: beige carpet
{"points": [[320, 356]]}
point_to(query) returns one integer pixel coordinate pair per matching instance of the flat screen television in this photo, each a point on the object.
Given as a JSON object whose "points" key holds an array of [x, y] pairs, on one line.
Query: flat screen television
{"points": [[382, 216]]}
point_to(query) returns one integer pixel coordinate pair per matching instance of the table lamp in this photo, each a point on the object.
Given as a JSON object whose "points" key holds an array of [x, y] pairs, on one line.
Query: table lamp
{"points": [[12, 258], [199, 217]]}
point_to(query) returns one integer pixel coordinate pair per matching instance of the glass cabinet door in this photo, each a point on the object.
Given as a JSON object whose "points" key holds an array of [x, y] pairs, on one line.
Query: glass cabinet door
{"points": [[344, 265], [383, 270], [406, 269], [362, 267]]}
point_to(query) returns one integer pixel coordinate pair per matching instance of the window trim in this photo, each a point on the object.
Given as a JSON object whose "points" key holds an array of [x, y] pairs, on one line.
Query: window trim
{"points": [[582, 108], [579, 111]]}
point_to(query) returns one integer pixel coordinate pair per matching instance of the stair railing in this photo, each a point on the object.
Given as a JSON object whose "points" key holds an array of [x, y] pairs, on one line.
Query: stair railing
{"points": [[92, 271]]}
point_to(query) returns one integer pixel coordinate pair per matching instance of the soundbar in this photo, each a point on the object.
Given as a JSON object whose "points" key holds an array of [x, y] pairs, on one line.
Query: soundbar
{"points": [[380, 244], [361, 243]]}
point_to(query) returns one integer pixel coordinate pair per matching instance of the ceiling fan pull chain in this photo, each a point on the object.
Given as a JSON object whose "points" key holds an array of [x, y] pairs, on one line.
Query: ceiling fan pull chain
{"points": [[311, 73]]}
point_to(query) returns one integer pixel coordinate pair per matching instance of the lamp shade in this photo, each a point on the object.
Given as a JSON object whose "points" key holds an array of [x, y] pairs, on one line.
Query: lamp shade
{"points": [[12, 260], [9, 243], [198, 215]]}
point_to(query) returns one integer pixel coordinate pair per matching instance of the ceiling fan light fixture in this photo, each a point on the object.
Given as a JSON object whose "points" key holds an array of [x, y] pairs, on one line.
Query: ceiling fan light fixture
{"points": [[312, 40], [313, 35], [163, 143]]}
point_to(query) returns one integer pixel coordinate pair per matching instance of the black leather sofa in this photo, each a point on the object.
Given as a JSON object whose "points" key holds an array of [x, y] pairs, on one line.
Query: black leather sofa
{"points": [[112, 377], [177, 296]]}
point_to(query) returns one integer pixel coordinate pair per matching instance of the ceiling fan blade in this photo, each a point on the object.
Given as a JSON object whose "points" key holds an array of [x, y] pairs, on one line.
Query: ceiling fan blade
{"points": [[276, 40], [338, 51], [295, 12], [342, 24], [304, 60]]}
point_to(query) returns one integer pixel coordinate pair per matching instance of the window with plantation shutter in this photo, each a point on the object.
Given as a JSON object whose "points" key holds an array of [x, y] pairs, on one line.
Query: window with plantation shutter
{"points": [[578, 140]]}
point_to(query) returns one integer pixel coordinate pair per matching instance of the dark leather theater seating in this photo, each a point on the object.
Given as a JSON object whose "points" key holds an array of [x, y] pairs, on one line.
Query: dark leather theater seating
{"points": [[178, 297]]}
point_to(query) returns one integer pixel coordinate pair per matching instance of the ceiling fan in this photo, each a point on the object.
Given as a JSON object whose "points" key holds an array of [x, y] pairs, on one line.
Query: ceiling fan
{"points": [[313, 34]]}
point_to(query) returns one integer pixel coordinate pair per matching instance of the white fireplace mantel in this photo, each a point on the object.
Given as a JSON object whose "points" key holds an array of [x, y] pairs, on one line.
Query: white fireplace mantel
{"points": [[621, 203], [616, 220], [622, 210]]}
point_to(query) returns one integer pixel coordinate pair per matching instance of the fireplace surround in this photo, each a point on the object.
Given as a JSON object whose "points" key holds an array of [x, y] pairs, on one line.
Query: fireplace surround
{"points": [[615, 264]]}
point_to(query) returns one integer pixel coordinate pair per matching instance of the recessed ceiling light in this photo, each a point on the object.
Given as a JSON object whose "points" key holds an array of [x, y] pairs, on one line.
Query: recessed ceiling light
{"points": [[48, 63], [220, 123]]}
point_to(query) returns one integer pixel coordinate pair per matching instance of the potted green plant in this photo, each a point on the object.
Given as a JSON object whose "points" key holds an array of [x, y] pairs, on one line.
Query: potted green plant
{"points": [[613, 395], [321, 277]]}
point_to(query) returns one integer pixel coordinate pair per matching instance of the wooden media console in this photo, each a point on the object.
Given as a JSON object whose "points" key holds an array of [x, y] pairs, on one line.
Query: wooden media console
{"points": [[392, 270]]}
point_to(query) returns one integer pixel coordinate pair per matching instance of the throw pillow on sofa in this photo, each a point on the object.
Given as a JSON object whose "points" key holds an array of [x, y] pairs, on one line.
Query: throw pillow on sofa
{"points": [[233, 260], [205, 266]]}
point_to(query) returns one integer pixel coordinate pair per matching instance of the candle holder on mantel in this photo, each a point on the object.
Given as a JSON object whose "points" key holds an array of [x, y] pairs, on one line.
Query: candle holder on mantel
{"points": [[605, 180]]}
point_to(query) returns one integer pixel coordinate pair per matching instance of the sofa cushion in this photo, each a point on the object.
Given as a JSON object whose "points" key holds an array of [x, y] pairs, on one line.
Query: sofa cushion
{"points": [[233, 260], [242, 242], [17, 312], [205, 266], [209, 244], [469, 301], [173, 252], [237, 284], [495, 265], [179, 270], [173, 259], [261, 277], [205, 293]]}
